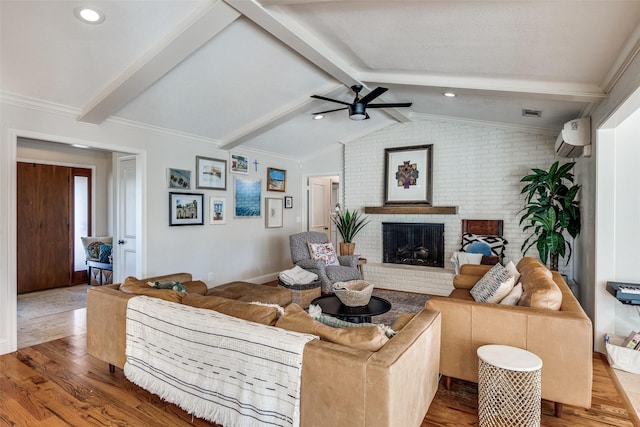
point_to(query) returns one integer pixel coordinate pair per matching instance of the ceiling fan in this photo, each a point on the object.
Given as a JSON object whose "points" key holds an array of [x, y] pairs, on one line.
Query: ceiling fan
{"points": [[357, 108]]}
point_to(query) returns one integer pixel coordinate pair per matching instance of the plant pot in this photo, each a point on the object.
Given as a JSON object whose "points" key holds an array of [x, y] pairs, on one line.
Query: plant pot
{"points": [[347, 248]]}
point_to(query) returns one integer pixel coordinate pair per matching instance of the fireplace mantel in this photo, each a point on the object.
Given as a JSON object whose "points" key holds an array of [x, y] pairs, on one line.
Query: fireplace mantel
{"points": [[412, 209]]}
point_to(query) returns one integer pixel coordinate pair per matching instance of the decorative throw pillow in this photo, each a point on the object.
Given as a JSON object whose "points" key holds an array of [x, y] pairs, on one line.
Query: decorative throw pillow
{"points": [[479, 248], [503, 290], [176, 286], [489, 284], [514, 296], [368, 338], [316, 312], [131, 285], [105, 253], [92, 245], [496, 243], [324, 252], [513, 271]]}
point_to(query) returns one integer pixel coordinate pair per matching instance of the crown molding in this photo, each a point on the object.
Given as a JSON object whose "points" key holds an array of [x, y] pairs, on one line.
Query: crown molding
{"points": [[72, 113], [37, 104]]}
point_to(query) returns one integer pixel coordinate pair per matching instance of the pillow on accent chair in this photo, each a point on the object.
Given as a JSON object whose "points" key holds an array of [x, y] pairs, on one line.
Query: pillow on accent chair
{"points": [[479, 248], [92, 246], [324, 252], [496, 243], [105, 253]]}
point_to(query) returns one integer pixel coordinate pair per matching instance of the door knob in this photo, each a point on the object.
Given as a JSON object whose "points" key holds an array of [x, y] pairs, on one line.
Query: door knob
{"points": [[121, 242]]}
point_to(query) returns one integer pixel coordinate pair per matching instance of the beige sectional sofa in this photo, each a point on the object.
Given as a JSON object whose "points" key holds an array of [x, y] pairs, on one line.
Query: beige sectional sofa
{"points": [[341, 385], [562, 338]]}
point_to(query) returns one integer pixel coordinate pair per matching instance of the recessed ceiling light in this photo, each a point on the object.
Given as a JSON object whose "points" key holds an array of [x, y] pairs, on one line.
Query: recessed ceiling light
{"points": [[89, 15], [449, 94], [318, 117], [79, 146]]}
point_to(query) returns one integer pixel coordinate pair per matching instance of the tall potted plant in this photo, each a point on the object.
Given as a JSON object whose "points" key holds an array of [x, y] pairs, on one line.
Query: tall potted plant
{"points": [[348, 223], [550, 209]]}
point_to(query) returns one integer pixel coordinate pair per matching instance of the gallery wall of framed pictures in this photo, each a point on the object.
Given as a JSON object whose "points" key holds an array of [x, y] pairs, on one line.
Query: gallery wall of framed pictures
{"points": [[238, 174]]}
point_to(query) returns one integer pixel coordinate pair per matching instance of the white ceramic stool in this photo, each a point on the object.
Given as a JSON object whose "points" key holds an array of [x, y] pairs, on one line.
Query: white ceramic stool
{"points": [[509, 386]]}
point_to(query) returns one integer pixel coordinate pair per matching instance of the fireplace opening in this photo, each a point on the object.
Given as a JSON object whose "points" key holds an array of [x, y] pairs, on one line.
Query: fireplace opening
{"points": [[413, 244]]}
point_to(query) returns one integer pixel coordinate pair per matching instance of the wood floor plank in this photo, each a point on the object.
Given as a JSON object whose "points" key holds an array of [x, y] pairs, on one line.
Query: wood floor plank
{"points": [[58, 384]]}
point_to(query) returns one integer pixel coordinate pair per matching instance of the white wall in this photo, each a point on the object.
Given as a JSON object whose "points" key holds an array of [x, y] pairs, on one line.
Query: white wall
{"points": [[243, 249], [617, 212], [476, 168]]}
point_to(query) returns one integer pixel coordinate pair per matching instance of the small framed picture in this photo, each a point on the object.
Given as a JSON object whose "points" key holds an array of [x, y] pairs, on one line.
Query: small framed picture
{"points": [[179, 178], [239, 163], [276, 179], [247, 197], [273, 208], [288, 202], [211, 174], [217, 210], [186, 209]]}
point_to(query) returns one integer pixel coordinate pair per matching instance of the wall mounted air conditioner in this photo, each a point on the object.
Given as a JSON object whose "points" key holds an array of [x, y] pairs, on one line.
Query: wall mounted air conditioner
{"points": [[575, 138]]}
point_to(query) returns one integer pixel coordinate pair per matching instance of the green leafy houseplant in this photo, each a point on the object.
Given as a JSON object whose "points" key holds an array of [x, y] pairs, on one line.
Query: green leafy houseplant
{"points": [[348, 223], [550, 209]]}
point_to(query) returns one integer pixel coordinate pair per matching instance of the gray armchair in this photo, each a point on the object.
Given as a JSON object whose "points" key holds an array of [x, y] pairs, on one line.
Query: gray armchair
{"points": [[328, 274]]}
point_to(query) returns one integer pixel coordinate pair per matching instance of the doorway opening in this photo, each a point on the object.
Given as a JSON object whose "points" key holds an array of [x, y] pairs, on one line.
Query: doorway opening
{"points": [[91, 200], [323, 196]]}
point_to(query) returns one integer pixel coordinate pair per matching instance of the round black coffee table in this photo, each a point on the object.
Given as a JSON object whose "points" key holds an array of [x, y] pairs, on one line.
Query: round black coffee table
{"points": [[333, 306]]}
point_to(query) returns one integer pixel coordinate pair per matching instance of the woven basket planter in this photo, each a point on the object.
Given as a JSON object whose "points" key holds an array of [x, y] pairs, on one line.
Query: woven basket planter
{"points": [[354, 293]]}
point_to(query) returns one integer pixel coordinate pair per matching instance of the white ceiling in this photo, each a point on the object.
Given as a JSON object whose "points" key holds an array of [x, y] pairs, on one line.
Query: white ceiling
{"points": [[240, 72]]}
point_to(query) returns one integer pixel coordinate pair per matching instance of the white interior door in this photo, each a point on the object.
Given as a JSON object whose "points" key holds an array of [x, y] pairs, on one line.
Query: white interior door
{"points": [[319, 204], [126, 233]]}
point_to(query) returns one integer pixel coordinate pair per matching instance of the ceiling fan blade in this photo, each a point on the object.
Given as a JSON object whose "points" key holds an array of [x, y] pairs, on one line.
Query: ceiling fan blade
{"points": [[329, 111], [390, 105], [329, 99], [373, 94]]}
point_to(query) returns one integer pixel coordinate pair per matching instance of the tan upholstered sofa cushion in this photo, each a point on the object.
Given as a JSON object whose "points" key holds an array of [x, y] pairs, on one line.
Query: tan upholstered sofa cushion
{"points": [[369, 338], [538, 286], [131, 285], [240, 309]]}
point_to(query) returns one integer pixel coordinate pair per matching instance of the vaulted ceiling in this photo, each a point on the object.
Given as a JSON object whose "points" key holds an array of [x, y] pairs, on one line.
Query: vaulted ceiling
{"points": [[241, 73]]}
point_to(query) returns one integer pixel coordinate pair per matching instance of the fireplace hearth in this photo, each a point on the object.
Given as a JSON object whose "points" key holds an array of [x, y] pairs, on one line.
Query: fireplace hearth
{"points": [[420, 244]]}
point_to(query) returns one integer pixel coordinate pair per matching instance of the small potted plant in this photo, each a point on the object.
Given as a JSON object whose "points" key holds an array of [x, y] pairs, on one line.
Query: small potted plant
{"points": [[348, 223]]}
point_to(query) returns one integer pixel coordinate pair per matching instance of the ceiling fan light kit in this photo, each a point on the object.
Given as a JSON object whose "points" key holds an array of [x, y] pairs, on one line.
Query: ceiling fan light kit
{"points": [[356, 112], [357, 108]]}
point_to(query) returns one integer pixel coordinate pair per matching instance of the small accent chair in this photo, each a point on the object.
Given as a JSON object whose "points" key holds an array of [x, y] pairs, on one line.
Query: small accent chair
{"points": [[328, 274]]}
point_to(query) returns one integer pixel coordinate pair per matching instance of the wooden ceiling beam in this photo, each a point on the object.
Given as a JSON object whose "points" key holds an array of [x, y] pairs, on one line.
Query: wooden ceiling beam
{"points": [[294, 35], [204, 24]]}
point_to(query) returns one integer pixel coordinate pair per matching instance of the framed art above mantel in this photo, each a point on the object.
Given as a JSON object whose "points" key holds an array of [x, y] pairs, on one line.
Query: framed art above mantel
{"points": [[408, 175]]}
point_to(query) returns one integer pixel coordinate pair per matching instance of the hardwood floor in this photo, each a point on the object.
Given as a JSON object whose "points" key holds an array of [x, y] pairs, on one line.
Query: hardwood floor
{"points": [[58, 384]]}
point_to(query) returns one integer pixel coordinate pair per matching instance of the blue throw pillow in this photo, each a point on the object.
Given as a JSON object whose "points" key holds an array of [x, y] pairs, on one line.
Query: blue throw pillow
{"points": [[479, 248], [105, 252]]}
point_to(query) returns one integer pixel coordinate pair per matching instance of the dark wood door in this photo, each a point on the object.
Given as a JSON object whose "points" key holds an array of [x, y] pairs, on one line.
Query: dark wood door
{"points": [[43, 217]]}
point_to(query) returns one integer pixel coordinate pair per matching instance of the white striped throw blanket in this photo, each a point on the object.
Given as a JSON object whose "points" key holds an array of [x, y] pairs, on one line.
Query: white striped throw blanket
{"points": [[223, 369]]}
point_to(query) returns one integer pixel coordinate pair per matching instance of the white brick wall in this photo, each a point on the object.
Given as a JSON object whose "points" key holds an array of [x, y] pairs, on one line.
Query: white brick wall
{"points": [[476, 168]]}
